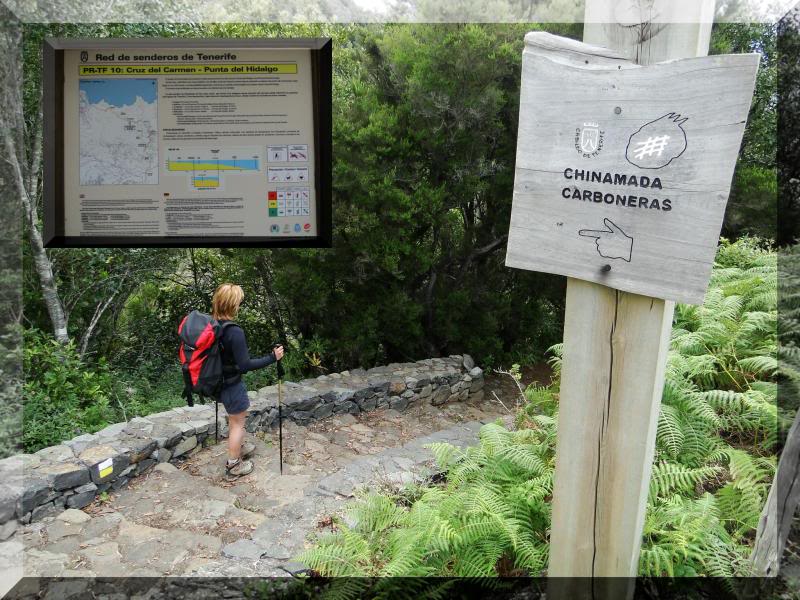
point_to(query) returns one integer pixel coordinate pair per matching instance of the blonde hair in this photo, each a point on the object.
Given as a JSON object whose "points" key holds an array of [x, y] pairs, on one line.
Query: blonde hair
{"points": [[226, 301]]}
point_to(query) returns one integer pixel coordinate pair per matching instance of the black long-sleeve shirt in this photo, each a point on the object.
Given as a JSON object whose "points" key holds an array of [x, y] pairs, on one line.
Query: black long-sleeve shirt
{"points": [[235, 351]]}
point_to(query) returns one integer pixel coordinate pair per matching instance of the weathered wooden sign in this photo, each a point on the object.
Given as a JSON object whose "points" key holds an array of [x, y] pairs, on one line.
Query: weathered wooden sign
{"points": [[623, 171]]}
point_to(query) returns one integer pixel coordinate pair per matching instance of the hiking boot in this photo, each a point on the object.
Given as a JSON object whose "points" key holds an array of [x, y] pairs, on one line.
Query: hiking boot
{"points": [[247, 449], [238, 468]]}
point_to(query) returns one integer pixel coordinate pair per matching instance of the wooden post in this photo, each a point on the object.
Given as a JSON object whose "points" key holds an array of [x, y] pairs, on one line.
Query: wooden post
{"points": [[678, 29], [610, 126], [615, 350], [778, 514]]}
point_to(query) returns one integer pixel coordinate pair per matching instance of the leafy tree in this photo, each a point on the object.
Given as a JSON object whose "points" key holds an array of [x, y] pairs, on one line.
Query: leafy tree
{"points": [[425, 126], [424, 140], [789, 128], [496, 11], [753, 203]]}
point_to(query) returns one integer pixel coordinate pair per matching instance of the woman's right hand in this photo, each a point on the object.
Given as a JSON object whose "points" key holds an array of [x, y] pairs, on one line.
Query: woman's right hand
{"points": [[278, 352]]}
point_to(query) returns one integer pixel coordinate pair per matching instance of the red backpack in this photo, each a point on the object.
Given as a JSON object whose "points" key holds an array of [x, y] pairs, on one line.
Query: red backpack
{"points": [[201, 355]]}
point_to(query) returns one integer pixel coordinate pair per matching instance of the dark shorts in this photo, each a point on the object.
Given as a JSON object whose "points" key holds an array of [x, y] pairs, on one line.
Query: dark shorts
{"points": [[234, 398]]}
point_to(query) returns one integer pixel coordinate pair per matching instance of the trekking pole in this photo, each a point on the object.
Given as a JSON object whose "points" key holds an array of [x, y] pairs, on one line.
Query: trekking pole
{"points": [[279, 367]]}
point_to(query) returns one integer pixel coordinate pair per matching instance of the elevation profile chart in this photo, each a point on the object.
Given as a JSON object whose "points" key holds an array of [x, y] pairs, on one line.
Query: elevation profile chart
{"points": [[207, 169]]}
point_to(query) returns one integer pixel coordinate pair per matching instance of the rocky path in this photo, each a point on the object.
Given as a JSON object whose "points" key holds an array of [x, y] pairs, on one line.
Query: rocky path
{"points": [[186, 519]]}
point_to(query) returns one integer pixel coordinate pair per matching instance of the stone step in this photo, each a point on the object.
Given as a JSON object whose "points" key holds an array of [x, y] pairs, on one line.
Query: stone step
{"points": [[279, 538], [186, 519]]}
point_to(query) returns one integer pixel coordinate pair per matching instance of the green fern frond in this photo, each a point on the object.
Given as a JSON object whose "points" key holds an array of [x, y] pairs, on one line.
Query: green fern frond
{"points": [[760, 365], [556, 353], [758, 323], [333, 560], [525, 458], [670, 432], [669, 477], [347, 588], [444, 453]]}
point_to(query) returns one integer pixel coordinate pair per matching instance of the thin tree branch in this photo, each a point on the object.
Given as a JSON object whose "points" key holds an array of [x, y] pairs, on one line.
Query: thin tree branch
{"points": [[98, 313]]}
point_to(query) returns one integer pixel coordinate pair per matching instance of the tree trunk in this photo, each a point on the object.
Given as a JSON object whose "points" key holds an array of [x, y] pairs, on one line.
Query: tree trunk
{"points": [[781, 506], [44, 270], [268, 281], [433, 348], [29, 195]]}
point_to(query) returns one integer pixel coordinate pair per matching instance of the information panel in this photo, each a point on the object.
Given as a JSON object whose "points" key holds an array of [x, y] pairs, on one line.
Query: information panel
{"points": [[188, 142]]}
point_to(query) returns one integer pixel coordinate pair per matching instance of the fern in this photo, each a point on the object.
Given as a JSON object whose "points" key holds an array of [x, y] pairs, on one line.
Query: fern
{"points": [[445, 454], [760, 365], [670, 431], [556, 353], [670, 477], [718, 430]]}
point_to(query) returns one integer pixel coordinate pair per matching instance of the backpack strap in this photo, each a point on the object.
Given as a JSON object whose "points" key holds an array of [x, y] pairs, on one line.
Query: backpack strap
{"points": [[224, 325]]}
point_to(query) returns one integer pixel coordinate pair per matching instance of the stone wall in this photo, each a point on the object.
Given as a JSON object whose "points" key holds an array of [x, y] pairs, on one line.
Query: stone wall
{"points": [[73, 473]]}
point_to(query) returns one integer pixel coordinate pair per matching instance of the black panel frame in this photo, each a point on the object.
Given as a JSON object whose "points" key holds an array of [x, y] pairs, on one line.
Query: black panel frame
{"points": [[53, 142]]}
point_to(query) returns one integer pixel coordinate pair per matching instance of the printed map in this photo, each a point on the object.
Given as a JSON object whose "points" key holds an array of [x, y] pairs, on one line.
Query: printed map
{"points": [[118, 131]]}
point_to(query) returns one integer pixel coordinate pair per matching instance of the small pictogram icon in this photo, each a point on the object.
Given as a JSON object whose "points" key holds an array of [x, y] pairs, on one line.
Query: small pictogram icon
{"points": [[657, 143]]}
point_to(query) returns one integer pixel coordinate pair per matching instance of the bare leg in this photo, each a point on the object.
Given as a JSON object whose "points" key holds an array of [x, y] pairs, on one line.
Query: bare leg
{"points": [[235, 435]]}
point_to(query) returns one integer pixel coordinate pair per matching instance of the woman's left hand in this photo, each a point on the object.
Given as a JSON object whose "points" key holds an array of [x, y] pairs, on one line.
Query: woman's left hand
{"points": [[278, 352]]}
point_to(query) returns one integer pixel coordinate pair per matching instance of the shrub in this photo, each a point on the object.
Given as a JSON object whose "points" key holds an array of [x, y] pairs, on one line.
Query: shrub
{"points": [[63, 398]]}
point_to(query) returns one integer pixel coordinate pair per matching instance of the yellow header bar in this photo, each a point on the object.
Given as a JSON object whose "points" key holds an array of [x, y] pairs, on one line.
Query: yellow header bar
{"points": [[187, 69]]}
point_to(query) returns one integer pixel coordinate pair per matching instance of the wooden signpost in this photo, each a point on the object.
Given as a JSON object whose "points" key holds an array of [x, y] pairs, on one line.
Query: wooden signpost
{"points": [[622, 176]]}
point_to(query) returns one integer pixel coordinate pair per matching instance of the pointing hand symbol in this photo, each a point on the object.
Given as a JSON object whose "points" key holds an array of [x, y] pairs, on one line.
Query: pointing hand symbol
{"points": [[611, 242]]}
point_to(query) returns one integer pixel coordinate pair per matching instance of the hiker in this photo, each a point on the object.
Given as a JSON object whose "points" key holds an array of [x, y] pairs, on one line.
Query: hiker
{"points": [[236, 360]]}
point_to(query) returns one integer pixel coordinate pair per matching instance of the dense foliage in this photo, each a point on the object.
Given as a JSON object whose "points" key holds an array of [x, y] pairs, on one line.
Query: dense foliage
{"points": [[67, 398], [789, 176], [424, 145], [715, 458], [10, 253], [11, 391], [717, 431], [753, 203], [788, 135]]}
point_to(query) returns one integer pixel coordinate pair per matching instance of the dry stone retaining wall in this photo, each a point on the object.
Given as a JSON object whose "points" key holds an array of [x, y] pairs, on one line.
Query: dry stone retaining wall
{"points": [[73, 473]]}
